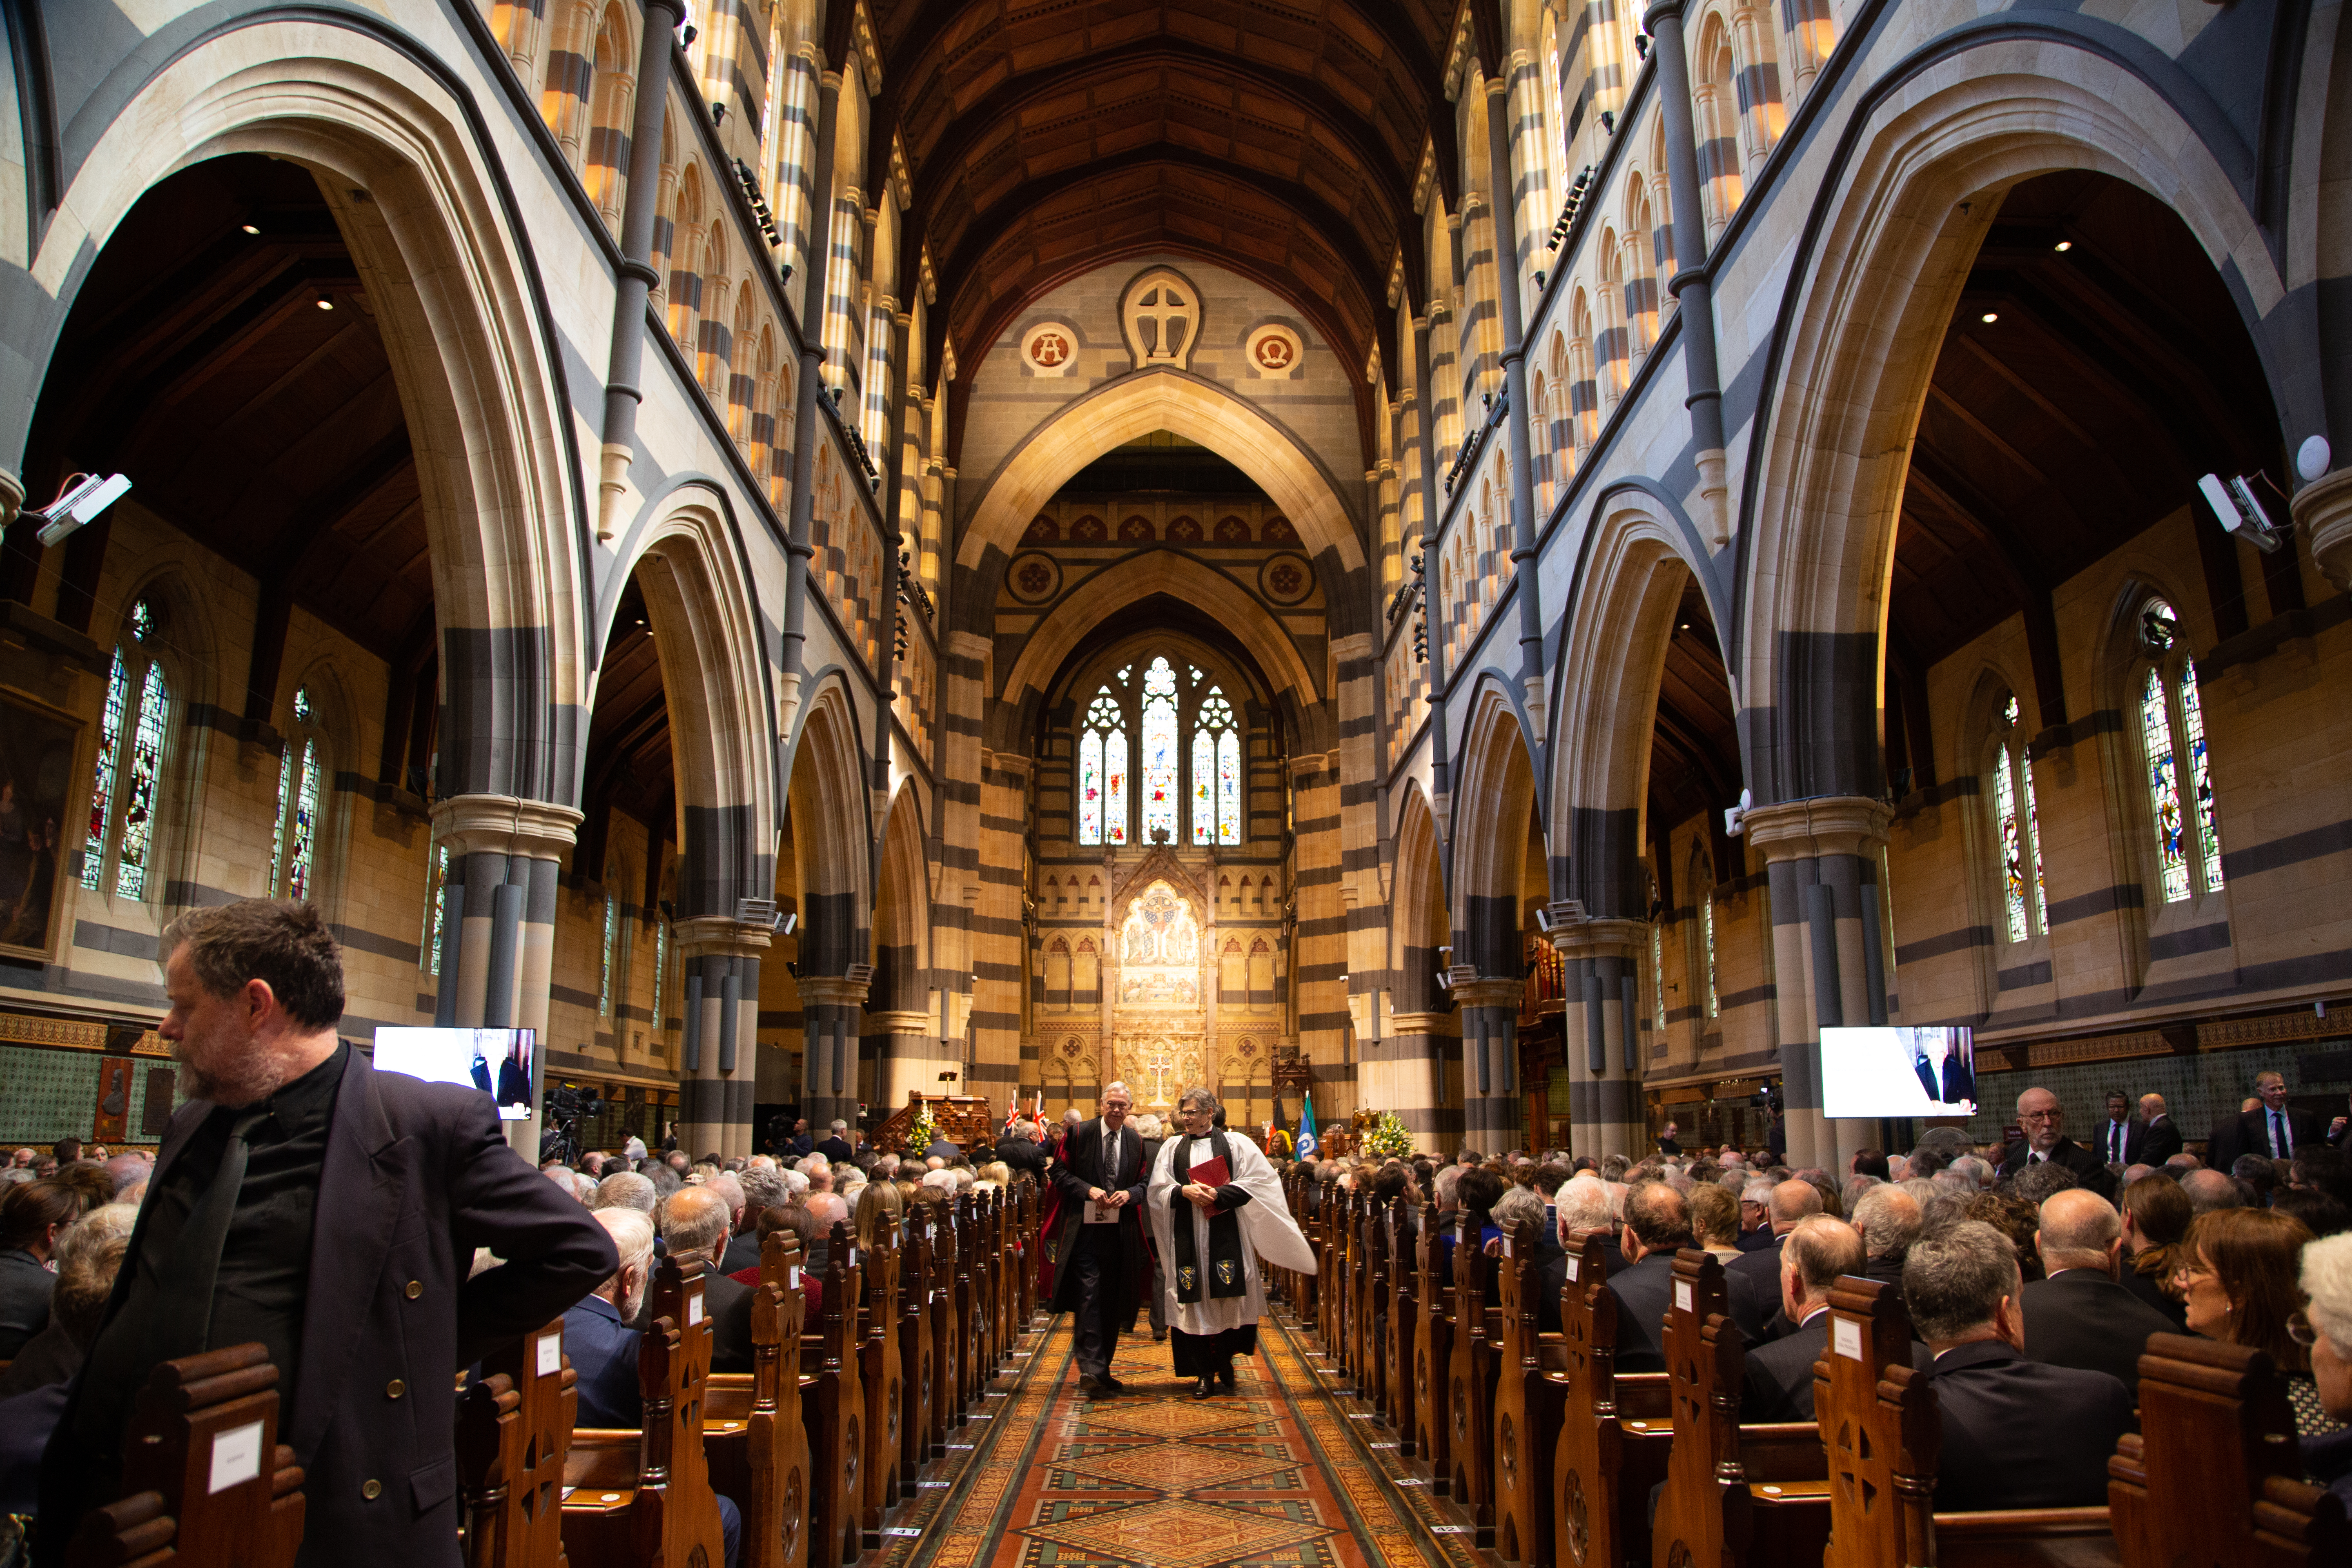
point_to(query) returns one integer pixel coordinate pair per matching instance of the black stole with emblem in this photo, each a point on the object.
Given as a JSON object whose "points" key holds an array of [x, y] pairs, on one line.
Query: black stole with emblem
{"points": [[1225, 1278]]}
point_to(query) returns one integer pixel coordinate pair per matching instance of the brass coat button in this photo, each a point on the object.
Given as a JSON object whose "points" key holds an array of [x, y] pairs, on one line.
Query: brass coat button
{"points": [[415, 1289], [372, 1490], [395, 1389]]}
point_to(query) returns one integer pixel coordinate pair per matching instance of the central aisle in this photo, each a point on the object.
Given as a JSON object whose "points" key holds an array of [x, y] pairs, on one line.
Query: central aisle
{"points": [[1277, 1475]]}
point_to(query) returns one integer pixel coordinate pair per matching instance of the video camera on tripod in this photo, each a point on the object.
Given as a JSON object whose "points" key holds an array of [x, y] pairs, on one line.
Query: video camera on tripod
{"points": [[567, 1108]]}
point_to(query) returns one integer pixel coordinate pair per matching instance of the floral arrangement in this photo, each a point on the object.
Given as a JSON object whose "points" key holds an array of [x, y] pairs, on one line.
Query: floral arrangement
{"points": [[924, 1133], [1388, 1138]]}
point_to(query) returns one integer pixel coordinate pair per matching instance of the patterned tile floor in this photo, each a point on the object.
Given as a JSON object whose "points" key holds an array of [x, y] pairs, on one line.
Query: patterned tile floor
{"points": [[1279, 1475]]}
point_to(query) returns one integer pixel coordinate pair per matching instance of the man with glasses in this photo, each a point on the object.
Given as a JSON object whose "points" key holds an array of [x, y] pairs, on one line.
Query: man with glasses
{"points": [[2043, 1122], [1099, 1268]]}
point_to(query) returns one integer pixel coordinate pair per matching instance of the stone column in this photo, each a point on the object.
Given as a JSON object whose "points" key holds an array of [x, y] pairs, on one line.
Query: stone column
{"points": [[1491, 1108], [830, 1005], [1000, 935], [2323, 514], [1318, 946], [1601, 982], [1410, 1078], [498, 943], [1822, 865], [907, 1044], [718, 1056]]}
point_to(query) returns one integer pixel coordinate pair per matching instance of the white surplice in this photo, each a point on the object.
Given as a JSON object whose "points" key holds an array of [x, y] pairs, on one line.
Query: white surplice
{"points": [[1267, 1232]]}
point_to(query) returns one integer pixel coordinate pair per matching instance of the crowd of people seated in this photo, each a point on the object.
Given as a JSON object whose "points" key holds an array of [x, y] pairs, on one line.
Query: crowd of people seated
{"points": [[2033, 1273]]}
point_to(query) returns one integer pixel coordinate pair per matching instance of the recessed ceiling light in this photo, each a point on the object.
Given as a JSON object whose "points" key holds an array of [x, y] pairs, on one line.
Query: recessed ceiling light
{"points": [[250, 228], [2063, 245], [325, 303], [1683, 628], [1990, 317]]}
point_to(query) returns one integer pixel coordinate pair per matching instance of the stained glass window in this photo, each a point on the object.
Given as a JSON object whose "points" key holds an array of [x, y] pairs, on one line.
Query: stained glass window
{"points": [[2012, 847], [1158, 760], [295, 844], [435, 909], [661, 969], [604, 968], [1706, 929], [1217, 773], [146, 772], [2163, 788], [2019, 827], [101, 796], [1657, 978], [2200, 777], [306, 825], [2033, 836], [1102, 772]]}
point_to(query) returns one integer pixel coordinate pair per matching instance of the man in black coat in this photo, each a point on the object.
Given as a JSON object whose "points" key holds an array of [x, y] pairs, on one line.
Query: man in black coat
{"points": [[835, 1145], [2160, 1139], [2079, 1316], [1779, 1377], [1657, 1223], [1020, 1150], [2043, 1121], [1098, 1266], [2016, 1433], [2118, 1140], [1790, 1201], [368, 1312], [2275, 1130]]}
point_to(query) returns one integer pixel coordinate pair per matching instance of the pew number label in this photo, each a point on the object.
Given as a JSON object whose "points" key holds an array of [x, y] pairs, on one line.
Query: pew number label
{"points": [[1847, 1337], [550, 1355], [1575, 1266], [693, 1310], [901, 1530], [237, 1457], [797, 1276], [1682, 1296]]}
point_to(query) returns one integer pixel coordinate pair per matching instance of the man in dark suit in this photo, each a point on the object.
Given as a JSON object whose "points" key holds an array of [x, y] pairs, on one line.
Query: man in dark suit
{"points": [[694, 1225], [1022, 1151], [596, 1332], [1779, 1379], [837, 1145], [2079, 1316], [2043, 1121], [1790, 1201], [366, 1312], [1959, 1073], [761, 1188], [2274, 1130], [1098, 1266], [1580, 1208], [2121, 1136], [2016, 1433], [1667, 1142], [2160, 1140], [1657, 1223]]}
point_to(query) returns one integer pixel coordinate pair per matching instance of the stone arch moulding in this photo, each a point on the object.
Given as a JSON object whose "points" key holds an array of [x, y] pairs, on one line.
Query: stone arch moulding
{"points": [[1879, 269], [1112, 590], [1192, 406], [1620, 617], [1497, 779], [1418, 827], [441, 248], [706, 625], [834, 836], [901, 865]]}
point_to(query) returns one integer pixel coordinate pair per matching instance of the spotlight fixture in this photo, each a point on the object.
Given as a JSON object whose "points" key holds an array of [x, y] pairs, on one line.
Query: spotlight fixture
{"points": [[2063, 246], [1990, 317], [324, 304], [250, 228], [79, 500]]}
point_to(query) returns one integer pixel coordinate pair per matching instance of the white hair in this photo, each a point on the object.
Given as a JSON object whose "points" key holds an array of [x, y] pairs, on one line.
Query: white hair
{"points": [[1582, 1204], [632, 1235], [797, 1180], [2328, 1280]]}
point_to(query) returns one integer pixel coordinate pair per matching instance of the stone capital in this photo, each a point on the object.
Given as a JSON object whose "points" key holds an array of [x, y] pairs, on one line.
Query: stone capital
{"points": [[1010, 762], [896, 1022], [720, 936], [837, 990], [1489, 992], [1826, 824], [12, 497], [504, 825], [1599, 938], [1355, 644], [2323, 511], [1448, 1023], [970, 645]]}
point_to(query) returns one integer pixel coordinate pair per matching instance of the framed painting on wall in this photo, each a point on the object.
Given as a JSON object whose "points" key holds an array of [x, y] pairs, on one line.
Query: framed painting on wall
{"points": [[38, 748]]}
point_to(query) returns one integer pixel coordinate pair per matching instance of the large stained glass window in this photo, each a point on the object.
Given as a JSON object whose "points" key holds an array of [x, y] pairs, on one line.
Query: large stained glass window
{"points": [[2163, 788], [1102, 772], [2200, 776], [133, 732], [1658, 979], [604, 968], [2024, 899], [437, 909], [2172, 730], [293, 854], [1706, 930], [1158, 760], [661, 970], [1217, 772]]}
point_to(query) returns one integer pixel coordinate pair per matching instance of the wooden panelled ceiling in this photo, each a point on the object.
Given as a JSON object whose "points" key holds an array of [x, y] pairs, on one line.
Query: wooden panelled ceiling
{"points": [[1694, 748], [1046, 138]]}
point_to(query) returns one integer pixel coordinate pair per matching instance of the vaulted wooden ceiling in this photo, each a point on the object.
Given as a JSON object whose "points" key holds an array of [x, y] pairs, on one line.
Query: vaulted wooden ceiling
{"points": [[1047, 138]]}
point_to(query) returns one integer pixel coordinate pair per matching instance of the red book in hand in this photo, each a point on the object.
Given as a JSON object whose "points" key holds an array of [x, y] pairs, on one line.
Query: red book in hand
{"points": [[1211, 1173]]}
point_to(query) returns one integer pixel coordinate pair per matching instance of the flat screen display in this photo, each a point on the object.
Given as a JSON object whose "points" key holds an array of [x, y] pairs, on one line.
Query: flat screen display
{"points": [[1898, 1072], [499, 1062]]}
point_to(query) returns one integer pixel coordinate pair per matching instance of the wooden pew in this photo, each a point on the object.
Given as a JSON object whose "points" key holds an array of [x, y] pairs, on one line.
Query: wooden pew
{"points": [[947, 1338], [1752, 1495], [1024, 1277], [916, 1379], [1472, 1371], [1878, 1422], [1527, 1406], [753, 1433], [969, 1374], [879, 1371], [514, 1430], [205, 1482], [833, 1410], [1433, 1353], [2212, 1475], [1615, 1430], [643, 1498], [1327, 1260], [1403, 1298], [1371, 1310]]}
